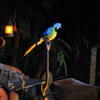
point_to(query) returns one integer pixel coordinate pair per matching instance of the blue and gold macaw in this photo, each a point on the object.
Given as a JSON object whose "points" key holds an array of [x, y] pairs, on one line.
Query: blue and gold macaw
{"points": [[49, 34]]}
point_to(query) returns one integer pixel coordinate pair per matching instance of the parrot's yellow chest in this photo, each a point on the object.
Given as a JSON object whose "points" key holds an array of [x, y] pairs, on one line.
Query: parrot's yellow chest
{"points": [[52, 36]]}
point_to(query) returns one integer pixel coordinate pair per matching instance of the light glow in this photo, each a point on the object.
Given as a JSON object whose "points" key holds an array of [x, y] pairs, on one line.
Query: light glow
{"points": [[9, 29]]}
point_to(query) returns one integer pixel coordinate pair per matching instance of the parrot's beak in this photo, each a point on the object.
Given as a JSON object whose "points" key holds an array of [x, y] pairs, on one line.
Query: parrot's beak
{"points": [[56, 29], [60, 27]]}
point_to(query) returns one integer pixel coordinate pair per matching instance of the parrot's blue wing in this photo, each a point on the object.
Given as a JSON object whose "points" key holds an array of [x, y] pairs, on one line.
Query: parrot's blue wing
{"points": [[47, 31]]}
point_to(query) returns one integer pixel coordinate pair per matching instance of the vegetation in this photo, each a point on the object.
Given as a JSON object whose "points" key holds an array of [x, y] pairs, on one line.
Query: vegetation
{"points": [[31, 21]]}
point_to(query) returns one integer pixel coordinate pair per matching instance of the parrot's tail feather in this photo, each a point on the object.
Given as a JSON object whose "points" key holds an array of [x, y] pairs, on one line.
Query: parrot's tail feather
{"points": [[29, 50], [34, 45], [40, 41]]}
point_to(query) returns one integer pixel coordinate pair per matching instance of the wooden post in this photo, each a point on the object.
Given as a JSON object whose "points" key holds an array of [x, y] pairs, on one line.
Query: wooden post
{"points": [[16, 45], [48, 45]]}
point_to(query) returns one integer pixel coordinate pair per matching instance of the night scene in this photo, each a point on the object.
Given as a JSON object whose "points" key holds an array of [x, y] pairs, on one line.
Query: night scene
{"points": [[49, 50]]}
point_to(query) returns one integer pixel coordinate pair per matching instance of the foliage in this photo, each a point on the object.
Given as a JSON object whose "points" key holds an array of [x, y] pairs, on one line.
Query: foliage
{"points": [[61, 50], [30, 23], [80, 41]]}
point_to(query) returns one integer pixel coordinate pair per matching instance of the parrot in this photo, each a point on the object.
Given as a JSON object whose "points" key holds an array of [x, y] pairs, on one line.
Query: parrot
{"points": [[49, 34]]}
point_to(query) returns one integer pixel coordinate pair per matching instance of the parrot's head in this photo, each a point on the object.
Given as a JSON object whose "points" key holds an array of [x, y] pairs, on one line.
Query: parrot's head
{"points": [[57, 26]]}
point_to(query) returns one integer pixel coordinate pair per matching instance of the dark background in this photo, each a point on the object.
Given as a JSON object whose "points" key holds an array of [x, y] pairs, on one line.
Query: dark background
{"points": [[80, 22]]}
